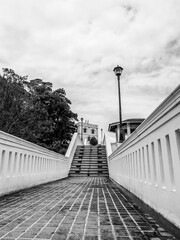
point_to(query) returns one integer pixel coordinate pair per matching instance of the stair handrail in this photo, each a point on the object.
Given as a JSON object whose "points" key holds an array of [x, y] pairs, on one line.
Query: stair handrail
{"points": [[89, 159], [75, 141], [107, 143]]}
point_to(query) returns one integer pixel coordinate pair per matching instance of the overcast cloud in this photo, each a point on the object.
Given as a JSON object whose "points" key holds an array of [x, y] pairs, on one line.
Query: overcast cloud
{"points": [[75, 44]]}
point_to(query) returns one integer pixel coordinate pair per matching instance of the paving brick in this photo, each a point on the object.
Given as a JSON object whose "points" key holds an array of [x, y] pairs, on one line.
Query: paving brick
{"points": [[89, 208], [16, 233], [46, 233], [75, 236], [90, 238]]}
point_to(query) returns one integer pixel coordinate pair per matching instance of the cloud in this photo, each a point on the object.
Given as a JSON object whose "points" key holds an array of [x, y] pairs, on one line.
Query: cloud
{"points": [[75, 44]]}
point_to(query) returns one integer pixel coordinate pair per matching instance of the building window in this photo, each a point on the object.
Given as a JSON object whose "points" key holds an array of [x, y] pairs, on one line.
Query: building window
{"points": [[85, 130], [92, 131]]}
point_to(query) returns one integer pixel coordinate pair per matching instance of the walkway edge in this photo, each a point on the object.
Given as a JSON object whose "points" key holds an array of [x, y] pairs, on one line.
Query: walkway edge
{"points": [[170, 227]]}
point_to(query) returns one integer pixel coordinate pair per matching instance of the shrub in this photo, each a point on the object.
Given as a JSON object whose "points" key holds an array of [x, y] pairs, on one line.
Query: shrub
{"points": [[93, 141]]}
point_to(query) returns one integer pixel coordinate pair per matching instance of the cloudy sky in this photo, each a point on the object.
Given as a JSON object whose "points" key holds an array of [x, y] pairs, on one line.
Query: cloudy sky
{"points": [[75, 44]]}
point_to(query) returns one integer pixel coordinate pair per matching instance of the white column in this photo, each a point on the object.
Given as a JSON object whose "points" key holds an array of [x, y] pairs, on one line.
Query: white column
{"points": [[128, 130], [101, 136]]}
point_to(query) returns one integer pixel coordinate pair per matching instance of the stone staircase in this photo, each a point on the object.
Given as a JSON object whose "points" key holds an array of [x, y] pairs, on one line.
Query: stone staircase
{"points": [[89, 161]]}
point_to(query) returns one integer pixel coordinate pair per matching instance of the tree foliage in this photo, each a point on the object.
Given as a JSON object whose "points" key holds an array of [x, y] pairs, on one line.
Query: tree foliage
{"points": [[33, 111], [12, 100]]}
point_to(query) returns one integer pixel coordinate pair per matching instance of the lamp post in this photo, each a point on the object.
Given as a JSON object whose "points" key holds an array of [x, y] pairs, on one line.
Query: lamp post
{"points": [[118, 70]]}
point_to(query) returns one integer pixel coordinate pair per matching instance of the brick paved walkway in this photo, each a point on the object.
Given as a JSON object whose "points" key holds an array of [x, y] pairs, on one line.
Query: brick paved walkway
{"points": [[75, 208]]}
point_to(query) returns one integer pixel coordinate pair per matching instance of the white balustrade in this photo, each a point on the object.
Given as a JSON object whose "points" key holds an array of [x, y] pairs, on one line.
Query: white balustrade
{"points": [[148, 162], [24, 164], [75, 141]]}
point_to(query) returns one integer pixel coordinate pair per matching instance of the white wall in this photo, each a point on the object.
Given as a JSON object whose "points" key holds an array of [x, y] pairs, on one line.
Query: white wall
{"points": [[148, 162], [24, 164]]}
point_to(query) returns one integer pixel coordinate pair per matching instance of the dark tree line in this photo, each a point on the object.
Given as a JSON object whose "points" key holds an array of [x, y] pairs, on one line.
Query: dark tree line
{"points": [[33, 111]]}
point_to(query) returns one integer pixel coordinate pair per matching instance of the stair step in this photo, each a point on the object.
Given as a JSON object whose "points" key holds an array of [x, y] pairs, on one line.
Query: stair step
{"points": [[89, 161], [99, 161], [88, 172], [91, 167], [88, 175]]}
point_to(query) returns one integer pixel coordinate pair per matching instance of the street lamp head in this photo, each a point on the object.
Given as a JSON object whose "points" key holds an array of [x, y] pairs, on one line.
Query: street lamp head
{"points": [[118, 70]]}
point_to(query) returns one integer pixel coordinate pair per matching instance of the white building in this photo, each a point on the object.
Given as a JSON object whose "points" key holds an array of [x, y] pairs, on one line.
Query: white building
{"points": [[86, 131], [128, 127]]}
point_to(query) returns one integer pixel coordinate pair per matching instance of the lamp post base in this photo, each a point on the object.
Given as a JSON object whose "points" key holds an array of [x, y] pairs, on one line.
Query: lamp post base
{"points": [[120, 135]]}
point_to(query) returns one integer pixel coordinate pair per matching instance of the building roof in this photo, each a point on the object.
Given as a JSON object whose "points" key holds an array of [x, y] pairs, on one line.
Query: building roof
{"points": [[113, 126], [86, 124]]}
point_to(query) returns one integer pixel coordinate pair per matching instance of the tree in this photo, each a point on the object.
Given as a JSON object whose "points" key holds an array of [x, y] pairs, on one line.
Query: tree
{"points": [[53, 121], [44, 116], [93, 141], [13, 97]]}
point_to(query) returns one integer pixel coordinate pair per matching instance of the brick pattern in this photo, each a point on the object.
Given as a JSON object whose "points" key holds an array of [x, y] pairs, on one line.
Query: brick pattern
{"points": [[86, 208]]}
